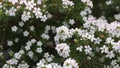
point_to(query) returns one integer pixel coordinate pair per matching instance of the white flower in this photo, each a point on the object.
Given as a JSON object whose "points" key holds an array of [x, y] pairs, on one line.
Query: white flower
{"points": [[17, 55], [23, 65], [30, 4], [14, 28], [104, 49], [39, 1], [33, 40], [9, 43], [110, 54], [88, 49], [26, 33], [89, 3], [39, 43], [30, 54], [79, 48], [53, 29], [97, 40], [5, 66], [25, 16], [49, 15], [32, 28], [70, 63], [41, 63], [47, 28], [48, 57], [109, 2], [13, 1], [11, 11], [109, 40], [67, 3], [71, 21], [16, 40], [39, 50], [44, 18], [22, 2], [1, 5], [45, 36], [12, 61], [37, 12], [63, 49], [117, 16], [21, 24], [28, 45]]}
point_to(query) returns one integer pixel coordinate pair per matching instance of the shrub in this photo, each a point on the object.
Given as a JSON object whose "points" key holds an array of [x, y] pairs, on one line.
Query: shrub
{"points": [[59, 34]]}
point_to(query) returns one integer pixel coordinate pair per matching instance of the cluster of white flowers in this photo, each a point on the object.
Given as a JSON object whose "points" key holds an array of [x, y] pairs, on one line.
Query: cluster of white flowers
{"points": [[25, 16], [70, 63], [96, 35], [67, 3], [10, 63], [62, 33], [63, 49], [19, 54], [23, 64]]}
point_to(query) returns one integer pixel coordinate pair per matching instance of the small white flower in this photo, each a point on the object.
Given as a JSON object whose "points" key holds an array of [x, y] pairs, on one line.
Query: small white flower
{"points": [[71, 21], [104, 49], [14, 28], [9, 43], [33, 40], [45, 36], [1, 5], [26, 33], [39, 1], [23, 65], [13, 1], [44, 18], [21, 24], [39, 43], [110, 54], [79, 48], [16, 40], [39, 50], [32, 28], [88, 49], [25, 16], [30, 4], [30, 54]]}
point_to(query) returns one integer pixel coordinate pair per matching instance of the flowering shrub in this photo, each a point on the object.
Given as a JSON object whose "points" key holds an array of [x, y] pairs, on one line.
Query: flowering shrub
{"points": [[59, 34]]}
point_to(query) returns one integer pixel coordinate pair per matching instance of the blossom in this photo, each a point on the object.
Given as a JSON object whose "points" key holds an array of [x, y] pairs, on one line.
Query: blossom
{"points": [[11, 11], [30, 4], [21, 24], [71, 21], [13, 1], [23, 65], [70, 63], [88, 49], [79, 48], [25, 16], [9, 43], [110, 54], [104, 49], [26, 33], [63, 49], [14, 28], [39, 50]]}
